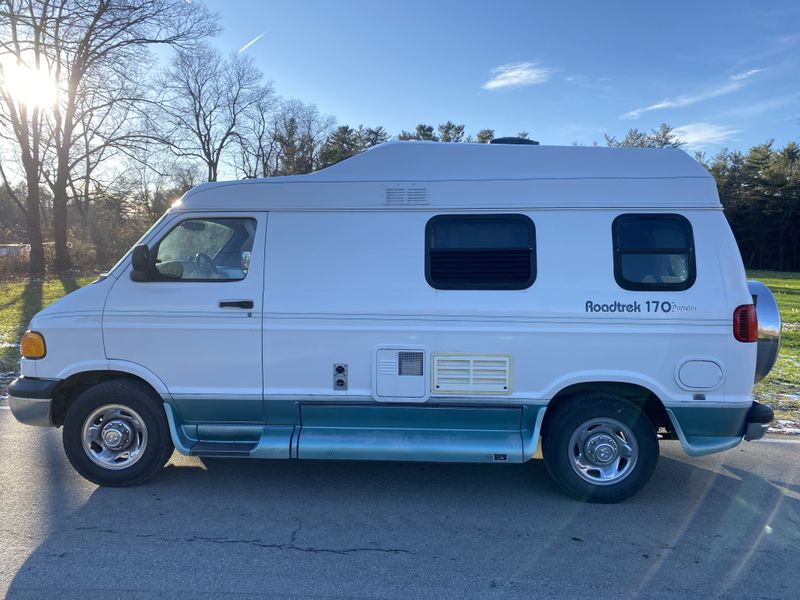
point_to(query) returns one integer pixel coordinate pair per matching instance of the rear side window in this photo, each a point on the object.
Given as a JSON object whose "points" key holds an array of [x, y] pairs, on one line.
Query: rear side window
{"points": [[653, 252], [480, 252]]}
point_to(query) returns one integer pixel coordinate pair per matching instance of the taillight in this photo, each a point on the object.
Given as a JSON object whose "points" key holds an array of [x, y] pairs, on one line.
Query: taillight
{"points": [[745, 323]]}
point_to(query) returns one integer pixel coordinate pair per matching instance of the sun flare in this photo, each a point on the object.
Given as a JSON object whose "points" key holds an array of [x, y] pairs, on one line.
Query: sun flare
{"points": [[33, 88]]}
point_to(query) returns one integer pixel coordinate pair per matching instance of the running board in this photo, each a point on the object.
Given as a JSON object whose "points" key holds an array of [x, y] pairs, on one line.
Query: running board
{"points": [[406, 433], [230, 449], [482, 434]]}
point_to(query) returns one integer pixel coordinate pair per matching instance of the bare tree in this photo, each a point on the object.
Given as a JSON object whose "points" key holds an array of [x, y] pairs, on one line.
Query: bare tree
{"points": [[72, 42], [152, 179], [205, 102], [22, 124], [258, 146], [105, 128], [300, 133]]}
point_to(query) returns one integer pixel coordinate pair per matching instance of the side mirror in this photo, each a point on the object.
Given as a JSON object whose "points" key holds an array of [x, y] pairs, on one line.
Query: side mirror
{"points": [[140, 261]]}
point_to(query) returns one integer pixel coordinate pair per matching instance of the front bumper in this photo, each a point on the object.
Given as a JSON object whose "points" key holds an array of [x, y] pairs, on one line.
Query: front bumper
{"points": [[758, 419], [30, 398]]}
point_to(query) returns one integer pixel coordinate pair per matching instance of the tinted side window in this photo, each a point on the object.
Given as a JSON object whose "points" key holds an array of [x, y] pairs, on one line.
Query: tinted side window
{"points": [[207, 249], [480, 252], [653, 252]]}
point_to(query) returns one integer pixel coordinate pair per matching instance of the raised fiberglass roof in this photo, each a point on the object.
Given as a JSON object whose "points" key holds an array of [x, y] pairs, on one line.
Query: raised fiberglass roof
{"points": [[436, 161], [488, 176]]}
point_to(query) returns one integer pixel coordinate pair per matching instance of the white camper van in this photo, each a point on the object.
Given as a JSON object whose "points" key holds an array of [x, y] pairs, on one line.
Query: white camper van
{"points": [[419, 301]]}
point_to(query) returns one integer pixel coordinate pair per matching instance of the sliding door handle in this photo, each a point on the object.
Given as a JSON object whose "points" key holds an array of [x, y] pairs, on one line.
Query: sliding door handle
{"points": [[236, 304]]}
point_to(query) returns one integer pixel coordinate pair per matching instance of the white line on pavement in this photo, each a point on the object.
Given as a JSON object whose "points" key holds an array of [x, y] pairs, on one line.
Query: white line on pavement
{"points": [[776, 441]]}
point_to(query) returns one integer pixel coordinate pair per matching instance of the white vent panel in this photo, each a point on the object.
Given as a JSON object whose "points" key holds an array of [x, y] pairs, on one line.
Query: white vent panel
{"points": [[404, 195], [400, 374], [471, 374]]}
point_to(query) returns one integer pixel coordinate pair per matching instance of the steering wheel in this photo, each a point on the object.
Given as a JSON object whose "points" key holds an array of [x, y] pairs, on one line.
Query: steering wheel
{"points": [[204, 264]]}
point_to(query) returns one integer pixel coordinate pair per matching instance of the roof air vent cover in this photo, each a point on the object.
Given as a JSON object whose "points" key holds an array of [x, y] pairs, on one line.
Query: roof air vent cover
{"points": [[514, 140]]}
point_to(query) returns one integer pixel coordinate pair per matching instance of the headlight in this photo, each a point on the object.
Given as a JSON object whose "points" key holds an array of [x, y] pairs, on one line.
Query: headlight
{"points": [[32, 345]]}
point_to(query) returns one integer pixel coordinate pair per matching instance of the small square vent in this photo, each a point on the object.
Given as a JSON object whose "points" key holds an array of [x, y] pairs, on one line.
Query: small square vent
{"points": [[399, 374], [409, 364], [471, 374]]}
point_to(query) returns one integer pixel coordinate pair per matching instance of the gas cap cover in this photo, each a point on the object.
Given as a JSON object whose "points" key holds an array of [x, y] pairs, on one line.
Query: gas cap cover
{"points": [[699, 374]]}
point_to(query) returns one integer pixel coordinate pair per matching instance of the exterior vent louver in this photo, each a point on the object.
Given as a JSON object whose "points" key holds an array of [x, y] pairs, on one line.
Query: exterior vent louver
{"points": [[387, 367], [509, 264], [473, 374], [399, 195], [410, 363]]}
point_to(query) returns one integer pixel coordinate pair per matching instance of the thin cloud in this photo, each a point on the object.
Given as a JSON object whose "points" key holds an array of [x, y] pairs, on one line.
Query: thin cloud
{"points": [[251, 42], [586, 79], [517, 75], [734, 83], [700, 135], [680, 101], [746, 74]]}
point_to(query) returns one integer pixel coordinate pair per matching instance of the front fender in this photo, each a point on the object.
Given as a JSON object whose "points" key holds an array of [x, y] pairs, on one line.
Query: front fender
{"points": [[122, 366]]}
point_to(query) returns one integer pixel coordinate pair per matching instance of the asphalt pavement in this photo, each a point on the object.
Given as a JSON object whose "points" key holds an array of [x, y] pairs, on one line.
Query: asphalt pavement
{"points": [[721, 526]]}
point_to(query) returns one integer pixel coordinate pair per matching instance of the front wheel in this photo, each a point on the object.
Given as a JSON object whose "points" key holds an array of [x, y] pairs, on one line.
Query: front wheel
{"points": [[116, 434], [600, 448]]}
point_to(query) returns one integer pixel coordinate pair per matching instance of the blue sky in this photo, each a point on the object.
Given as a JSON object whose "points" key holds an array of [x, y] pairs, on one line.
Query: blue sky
{"points": [[725, 74]]}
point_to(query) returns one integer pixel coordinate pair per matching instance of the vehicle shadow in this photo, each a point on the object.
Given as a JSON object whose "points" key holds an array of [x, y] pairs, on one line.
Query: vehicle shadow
{"points": [[415, 530], [32, 298], [69, 283]]}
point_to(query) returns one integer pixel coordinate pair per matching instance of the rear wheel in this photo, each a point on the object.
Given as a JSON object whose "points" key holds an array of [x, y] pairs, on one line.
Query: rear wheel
{"points": [[600, 448], [116, 434]]}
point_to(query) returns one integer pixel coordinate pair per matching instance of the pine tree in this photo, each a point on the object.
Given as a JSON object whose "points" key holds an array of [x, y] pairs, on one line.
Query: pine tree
{"points": [[450, 132], [485, 136]]}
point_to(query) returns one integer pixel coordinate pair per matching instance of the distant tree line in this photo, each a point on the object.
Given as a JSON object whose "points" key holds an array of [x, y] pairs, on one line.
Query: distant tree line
{"points": [[83, 175], [759, 190]]}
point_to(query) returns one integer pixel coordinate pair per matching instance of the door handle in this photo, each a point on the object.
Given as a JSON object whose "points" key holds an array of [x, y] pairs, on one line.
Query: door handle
{"points": [[236, 304]]}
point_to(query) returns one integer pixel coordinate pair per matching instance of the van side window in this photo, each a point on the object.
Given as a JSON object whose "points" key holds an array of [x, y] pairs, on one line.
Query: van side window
{"points": [[207, 249], [480, 252], [653, 252]]}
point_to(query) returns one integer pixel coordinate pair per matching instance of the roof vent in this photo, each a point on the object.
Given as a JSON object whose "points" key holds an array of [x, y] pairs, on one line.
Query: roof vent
{"points": [[399, 195], [514, 140]]}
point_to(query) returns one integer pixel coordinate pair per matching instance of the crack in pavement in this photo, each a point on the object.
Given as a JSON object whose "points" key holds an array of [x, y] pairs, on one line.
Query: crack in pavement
{"points": [[296, 531], [255, 542]]}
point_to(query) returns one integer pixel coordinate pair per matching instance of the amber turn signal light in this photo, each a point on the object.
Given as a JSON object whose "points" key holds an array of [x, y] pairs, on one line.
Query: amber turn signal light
{"points": [[32, 345]]}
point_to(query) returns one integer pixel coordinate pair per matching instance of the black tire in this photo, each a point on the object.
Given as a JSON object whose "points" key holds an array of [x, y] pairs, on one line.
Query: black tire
{"points": [[136, 397], [573, 416]]}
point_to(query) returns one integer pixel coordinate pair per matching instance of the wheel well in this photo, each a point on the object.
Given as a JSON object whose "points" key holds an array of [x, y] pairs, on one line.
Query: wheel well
{"points": [[647, 401], [75, 385]]}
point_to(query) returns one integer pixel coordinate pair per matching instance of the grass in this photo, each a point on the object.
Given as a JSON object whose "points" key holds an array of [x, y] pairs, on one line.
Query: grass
{"points": [[781, 388], [20, 300]]}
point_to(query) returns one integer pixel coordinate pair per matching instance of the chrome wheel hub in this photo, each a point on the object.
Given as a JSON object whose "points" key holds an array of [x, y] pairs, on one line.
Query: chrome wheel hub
{"points": [[603, 451], [117, 435], [114, 436]]}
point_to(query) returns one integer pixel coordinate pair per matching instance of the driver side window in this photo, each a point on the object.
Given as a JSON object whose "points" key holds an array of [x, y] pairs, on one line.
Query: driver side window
{"points": [[214, 249]]}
